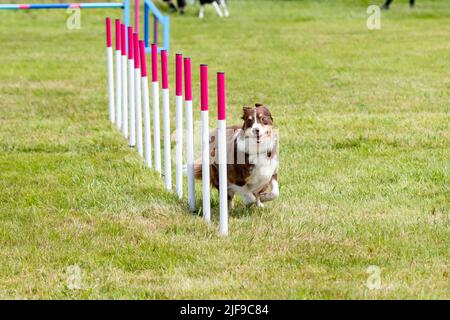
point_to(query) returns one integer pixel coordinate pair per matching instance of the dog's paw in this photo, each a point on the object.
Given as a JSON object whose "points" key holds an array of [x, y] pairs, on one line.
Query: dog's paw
{"points": [[259, 204]]}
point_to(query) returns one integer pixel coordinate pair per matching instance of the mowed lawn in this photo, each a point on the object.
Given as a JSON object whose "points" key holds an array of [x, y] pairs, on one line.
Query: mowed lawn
{"points": [[364, 123]]}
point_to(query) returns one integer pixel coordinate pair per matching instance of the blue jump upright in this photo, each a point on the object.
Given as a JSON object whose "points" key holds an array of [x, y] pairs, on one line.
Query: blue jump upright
{"points": [[149, 7]]}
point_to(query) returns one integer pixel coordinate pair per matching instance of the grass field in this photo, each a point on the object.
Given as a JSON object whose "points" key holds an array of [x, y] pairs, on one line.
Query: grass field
{"points": [[364, 124]]}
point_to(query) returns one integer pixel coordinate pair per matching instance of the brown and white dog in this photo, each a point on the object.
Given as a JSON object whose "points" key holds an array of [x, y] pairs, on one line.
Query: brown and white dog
{"points": [[252, 151]]}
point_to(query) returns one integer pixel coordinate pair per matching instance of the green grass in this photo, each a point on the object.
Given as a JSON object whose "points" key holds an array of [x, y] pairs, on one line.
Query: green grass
{"points": [[364, 124]]}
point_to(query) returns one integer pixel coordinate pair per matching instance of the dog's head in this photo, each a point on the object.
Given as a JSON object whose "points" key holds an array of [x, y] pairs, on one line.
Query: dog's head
{"points": [[258, 123]]}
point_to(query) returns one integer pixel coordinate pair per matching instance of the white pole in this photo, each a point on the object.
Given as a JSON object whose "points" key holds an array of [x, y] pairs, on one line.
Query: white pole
{"points": [[131, 91], [179, 124], [166, 120], [179, 145], [138, 107], [205, 167], [205, 142], [156, 125], [222, 154], [223, 192], [137, 96], [123, 39], [118, 78], [189, 133], [147, 136], [109, 54], [155, 103], [124, 96], [190, 154], [167, 150], [110, 64], [146, 105]]}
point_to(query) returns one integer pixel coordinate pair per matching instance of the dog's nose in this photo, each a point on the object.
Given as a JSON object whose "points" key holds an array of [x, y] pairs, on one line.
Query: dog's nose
{"points": [[256, 131]]}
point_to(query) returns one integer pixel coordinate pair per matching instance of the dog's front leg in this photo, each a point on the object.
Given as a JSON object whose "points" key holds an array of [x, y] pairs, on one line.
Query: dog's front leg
{"points": [[274, 193], [230, 198], [259, 203], [202, 11], [248, 196]]}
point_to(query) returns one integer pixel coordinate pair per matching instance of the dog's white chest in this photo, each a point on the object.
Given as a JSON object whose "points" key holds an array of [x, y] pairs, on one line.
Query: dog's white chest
{"points": [[262, 172]]}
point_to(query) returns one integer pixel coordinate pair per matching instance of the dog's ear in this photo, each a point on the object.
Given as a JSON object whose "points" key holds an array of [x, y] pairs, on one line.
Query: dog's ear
{"points": [[269, 114], [245, 111], [267, 110]]}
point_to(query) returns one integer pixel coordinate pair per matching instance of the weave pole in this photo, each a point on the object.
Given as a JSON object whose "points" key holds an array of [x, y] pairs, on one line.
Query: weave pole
{"points": [[189, 133], [222, 154], [205, 142], [131, 91], [118, 77], [110, 64], [155, 103], [123, 39], [166, 119], [145, 105], [179, 124], [137, 95]]}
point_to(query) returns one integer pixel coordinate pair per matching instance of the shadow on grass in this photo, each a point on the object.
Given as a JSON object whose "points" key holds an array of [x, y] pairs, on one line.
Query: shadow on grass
{"points": [[240, 211]]}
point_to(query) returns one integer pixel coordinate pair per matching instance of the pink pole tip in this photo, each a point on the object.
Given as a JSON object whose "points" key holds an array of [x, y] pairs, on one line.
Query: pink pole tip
{"points": [[179, 74], [136, 50], [117, 34], [123, 39], [221, 115], [143, 58], [130, 44], [204, 87], [187, 79], [164, 69], [154, 62], [108, 32]]}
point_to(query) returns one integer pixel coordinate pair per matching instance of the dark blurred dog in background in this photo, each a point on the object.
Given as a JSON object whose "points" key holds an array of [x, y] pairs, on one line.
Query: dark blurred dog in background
{"points": [[219, 5]]}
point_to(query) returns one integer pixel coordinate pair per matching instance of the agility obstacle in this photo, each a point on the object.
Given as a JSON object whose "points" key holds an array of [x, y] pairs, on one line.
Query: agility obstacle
{"points": [[131, 114], [206, 201], [134, 97], [118, 108], [179, 124], [149, 9], [155, 103], [166, 119], [125, 5], [189, 132]]}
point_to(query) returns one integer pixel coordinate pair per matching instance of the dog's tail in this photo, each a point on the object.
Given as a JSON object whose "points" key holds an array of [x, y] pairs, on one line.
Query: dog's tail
{"points": [[198, 170]]}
